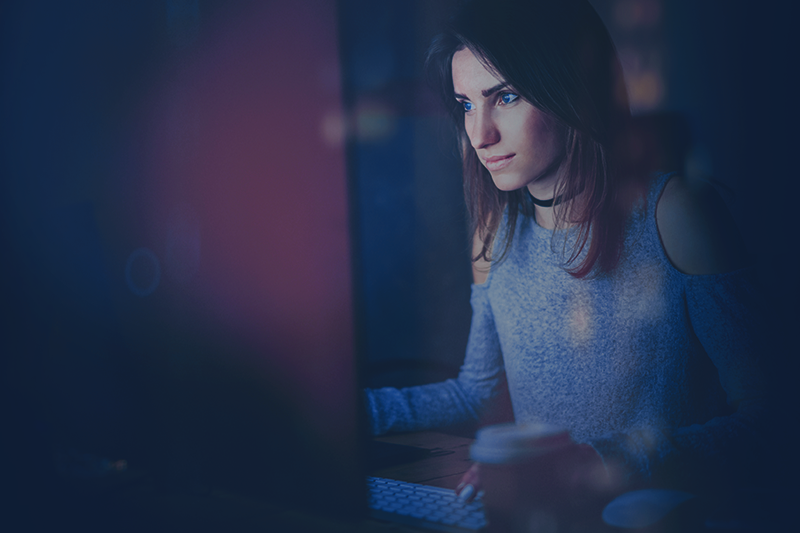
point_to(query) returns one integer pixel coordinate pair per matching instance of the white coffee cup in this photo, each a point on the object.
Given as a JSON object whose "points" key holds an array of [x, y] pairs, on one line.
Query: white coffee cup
{"points": [[517, 470]]}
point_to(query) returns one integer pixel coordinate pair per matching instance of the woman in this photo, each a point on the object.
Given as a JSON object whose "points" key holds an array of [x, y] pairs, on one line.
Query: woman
{"points": [[612, 301]]}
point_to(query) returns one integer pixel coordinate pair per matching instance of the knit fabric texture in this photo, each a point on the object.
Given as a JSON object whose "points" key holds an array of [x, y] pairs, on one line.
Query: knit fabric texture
{"points": [[652, 367]]}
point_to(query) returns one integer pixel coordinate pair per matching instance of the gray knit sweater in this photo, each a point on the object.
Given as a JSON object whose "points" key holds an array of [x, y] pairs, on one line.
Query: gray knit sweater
{"points": [[648, 365]]}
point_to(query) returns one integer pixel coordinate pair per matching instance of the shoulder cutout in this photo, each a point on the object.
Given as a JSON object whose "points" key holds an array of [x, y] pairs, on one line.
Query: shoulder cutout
{"points": [[480, 268], [697, 231]]}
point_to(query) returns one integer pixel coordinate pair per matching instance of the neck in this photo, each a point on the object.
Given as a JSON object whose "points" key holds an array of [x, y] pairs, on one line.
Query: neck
{"points": [[552, 202], [542, 192], [546, 215], [544, 201]]}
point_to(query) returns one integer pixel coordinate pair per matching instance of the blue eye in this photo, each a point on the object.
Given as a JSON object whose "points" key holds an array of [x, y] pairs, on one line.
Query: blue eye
{"points": [[507, 98], [468, 106]]}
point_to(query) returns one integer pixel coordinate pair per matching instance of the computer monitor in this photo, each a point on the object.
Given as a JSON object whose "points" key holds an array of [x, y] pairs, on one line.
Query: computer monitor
{"points": [[191, 307]]}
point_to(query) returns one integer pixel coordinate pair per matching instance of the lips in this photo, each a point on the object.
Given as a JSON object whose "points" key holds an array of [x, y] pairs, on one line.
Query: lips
{"points": [[498, 162]]}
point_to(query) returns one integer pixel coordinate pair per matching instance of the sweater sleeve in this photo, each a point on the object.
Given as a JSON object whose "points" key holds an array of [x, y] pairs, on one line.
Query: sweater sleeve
{"points": [[453, 401], [724, 312]]}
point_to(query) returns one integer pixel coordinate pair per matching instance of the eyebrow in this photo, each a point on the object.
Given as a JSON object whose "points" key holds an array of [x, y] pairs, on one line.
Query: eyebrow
{"points": [[488, 92]]}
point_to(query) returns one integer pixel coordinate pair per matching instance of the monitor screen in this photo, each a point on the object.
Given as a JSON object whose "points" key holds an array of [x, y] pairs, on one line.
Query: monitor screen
{"points": [[179, 235]]}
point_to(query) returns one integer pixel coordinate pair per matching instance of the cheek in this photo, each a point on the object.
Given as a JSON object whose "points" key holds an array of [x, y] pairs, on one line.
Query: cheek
{"points": [[545, 135], [518, 130]]}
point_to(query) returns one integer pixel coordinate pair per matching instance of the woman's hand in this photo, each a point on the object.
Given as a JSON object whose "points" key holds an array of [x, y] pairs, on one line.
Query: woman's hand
{"points": [[470, 484], [575, 472], [578, 469]]}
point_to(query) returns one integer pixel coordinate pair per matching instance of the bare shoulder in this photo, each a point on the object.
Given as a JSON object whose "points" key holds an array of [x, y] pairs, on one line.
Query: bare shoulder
{"points": [[697, 231]]}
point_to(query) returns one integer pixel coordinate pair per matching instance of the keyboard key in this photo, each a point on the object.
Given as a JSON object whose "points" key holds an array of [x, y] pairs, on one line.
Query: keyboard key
{"points": [[424, 506]]}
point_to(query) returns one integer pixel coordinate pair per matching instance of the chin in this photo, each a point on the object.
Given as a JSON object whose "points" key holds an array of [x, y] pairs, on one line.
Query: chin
{"points": [[508, 183]]}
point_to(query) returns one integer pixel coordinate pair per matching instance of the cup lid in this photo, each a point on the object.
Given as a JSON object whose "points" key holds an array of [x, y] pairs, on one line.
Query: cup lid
{"points": [[510, 443]]}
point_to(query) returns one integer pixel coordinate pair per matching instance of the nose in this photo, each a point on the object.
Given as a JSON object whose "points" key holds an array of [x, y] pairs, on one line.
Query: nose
{"points": [[483, 131]]}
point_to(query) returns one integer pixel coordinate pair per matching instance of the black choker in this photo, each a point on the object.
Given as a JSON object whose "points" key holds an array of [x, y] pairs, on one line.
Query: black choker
{"points": [[545, 203]]}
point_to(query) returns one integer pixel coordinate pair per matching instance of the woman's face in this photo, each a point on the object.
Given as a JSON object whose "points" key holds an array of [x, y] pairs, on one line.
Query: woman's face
{"points": [[518, 144]]}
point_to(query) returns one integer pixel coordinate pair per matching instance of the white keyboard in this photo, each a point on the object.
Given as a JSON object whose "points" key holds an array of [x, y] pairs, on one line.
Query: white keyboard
{"points": [[423, 506]]}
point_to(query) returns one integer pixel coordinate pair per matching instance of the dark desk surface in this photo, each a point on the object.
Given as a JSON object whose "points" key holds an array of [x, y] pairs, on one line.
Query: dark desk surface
{"points": [[137, 502], [137, 506], [445, 466]]}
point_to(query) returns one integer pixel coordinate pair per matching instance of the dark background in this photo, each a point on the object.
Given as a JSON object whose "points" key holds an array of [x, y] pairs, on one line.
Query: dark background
{"points": [[77, 78]]}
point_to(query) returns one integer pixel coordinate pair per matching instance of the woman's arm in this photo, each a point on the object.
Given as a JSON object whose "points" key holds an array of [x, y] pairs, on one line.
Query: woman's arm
{"points": [[455, 401]]}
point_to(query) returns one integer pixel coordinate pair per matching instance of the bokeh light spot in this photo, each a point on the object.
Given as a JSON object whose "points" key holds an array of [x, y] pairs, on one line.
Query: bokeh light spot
{"points": [[646, 90], [374, 122], [142, 272]]}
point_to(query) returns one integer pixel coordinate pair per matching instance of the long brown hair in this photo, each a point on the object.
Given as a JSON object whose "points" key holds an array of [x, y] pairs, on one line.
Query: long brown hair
{"points": [[558, 56]]}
